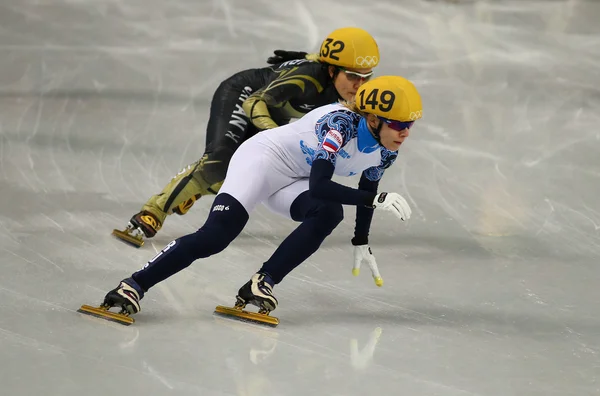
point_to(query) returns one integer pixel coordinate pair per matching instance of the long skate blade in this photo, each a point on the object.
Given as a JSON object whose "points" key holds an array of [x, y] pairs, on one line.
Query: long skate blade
{"points": [[137, 242], [250, 316], [103, 313]]}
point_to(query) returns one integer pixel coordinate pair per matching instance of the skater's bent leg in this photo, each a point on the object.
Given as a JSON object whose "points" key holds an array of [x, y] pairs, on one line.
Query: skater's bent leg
{"points": [[228, 127], [319, 219], [181, 188], [213, 168], [225, 222], [203, 177]]}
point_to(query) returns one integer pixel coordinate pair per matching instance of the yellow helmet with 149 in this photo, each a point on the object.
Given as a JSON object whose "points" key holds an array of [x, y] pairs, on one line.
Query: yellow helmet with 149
{"points": [[390, 97]]}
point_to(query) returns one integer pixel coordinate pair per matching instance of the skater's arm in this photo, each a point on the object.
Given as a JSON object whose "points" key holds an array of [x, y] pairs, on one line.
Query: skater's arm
{"points": [[375, 173], [292, 83], [322, 187], [257, 110], [281, 56], [369, 181], [364, 214], [334, 130]]}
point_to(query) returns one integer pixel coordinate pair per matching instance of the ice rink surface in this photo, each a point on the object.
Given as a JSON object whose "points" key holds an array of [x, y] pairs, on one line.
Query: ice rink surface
{"points": [[490, 289]]}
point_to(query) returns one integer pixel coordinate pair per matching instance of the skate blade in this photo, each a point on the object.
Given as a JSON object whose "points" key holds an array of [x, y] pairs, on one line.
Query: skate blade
{"points": [[103, 313], [249, 316], [122, 235]]}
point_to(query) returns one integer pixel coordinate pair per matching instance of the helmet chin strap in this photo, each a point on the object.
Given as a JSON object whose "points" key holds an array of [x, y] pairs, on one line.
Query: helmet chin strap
{"points": [[377, 132], [336, 72]]}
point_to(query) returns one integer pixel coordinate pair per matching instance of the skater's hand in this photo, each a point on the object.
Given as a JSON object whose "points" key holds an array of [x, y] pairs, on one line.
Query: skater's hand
{"points": [[363, 253], [394, 203], [280, 56]]}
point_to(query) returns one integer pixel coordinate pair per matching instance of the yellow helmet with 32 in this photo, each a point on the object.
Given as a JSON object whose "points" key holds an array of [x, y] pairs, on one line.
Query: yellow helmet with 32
{"points": [[350, 47]]}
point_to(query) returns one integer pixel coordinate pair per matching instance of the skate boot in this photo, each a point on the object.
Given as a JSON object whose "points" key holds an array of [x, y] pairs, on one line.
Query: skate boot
{"points": [[142, 224], [127, 296], [257, 291], [185, 206]]}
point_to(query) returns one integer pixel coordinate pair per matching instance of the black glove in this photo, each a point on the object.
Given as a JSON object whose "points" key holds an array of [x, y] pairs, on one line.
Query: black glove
{"points": [[284, 56]]}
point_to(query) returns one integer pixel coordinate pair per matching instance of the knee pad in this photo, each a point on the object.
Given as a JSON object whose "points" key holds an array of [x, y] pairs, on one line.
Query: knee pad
{"points": [[211, 171], [226, 220]]}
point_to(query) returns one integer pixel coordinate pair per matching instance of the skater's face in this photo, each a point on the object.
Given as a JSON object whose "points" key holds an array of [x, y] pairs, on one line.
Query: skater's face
{"points": [[347, 81], [392, 133]]}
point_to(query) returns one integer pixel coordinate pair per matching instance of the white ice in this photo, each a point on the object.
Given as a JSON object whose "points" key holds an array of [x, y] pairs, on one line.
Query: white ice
{"points": [[490, 289]]}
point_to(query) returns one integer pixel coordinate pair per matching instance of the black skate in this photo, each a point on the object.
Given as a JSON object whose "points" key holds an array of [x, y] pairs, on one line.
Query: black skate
{"points": [[256, 292], [142, 224], [127, 296]]}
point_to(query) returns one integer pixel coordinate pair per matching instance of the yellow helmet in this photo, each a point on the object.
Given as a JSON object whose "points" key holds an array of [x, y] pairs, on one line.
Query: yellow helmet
{"points": [[350, 47], [391, 97]]}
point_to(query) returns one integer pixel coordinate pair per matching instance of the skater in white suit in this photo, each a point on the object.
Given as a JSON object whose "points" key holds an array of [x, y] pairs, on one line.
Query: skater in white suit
{"points": [[290, 169]]}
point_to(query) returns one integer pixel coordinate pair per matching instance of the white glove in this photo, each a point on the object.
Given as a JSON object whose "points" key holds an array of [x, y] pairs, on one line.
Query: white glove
{"points": [[394, 203], [363, 253]]}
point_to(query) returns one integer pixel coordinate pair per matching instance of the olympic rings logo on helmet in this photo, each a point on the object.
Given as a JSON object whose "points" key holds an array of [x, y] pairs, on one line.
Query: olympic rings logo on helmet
{"points": [[366, 61], [415, 115]]}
